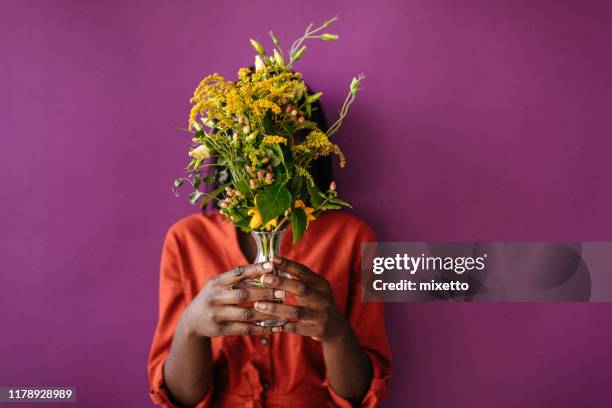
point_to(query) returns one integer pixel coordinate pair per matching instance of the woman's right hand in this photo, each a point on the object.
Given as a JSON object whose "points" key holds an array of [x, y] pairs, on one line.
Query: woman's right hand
{"points": [[215, 311]]}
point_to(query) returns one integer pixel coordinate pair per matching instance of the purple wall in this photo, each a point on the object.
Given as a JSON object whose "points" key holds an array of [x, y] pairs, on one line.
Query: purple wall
{"points": [[479, 120]]}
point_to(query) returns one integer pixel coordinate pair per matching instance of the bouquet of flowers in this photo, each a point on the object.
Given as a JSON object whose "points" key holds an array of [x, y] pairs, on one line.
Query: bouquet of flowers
{"points": [[244, 142]]}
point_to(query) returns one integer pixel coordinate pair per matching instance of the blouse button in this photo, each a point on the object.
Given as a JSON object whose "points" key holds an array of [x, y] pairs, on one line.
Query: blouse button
{"points": [[263, 341], [266, 385]]}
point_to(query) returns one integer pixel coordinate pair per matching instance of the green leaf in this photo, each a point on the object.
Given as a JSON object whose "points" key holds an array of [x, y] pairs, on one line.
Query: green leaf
{"points": [[275, 155], [241, 212], [315, 194], [297, 184], [287, 157], [241, 186], [328, 206], [298, 223], [239, 216], [272, 202], [210, 196], [268, 124], [289, 133], [244, 223], [336, 200], [284, 158], [313, 98]]}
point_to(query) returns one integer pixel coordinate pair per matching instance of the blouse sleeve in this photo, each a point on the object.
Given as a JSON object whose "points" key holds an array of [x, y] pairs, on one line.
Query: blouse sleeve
{"points": [[172, 303], [367, 320]]}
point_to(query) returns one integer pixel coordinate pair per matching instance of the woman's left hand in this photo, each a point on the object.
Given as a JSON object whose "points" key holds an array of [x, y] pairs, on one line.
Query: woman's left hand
{"points": [[316, 314]]}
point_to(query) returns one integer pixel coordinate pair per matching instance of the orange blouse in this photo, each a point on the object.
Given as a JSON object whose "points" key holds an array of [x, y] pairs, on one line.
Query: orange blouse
{"points": [[279, 369]]}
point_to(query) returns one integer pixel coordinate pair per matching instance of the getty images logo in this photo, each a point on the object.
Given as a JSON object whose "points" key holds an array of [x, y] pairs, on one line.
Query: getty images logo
{"points": [[413, 264]]}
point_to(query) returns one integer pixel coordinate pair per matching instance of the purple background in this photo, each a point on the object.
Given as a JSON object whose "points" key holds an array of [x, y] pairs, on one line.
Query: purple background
{"points": [[479, 120]]}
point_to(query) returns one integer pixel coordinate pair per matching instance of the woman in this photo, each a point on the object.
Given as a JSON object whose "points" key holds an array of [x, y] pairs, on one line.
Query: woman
{"points": [[207, 349]]}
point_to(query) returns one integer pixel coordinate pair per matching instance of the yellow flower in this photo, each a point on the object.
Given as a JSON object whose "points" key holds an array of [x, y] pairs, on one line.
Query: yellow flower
{"points": [[304, 173], [243, 74], [262, 104], [272, 140], [256, 220], [200, 152], [307, 210], [317, 144]]}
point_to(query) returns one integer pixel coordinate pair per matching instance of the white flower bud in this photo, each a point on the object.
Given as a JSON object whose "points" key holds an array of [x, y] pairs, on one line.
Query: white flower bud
{"points": [[355, 83], [201, 152], [298, 54], [258, 47], [259, 64], [279, 58], [329, 37]]}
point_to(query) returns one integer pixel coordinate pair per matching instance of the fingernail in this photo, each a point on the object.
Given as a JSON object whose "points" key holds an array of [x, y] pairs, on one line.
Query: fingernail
{"points": [[260, 306], [268, 265], [269, 279], [279, 294], [277, 329], [277, 260]]}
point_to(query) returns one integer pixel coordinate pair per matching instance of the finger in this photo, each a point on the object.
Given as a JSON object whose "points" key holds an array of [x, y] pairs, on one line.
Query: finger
{"points": [[294, 286], [304, 329], [286, 311], [242, 329], [240, 273], [243, 295], [237, 314], [297, 270]]}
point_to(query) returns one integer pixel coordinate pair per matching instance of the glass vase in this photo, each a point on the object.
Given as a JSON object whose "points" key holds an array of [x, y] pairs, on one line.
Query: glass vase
{"points": [[268, 245]]}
